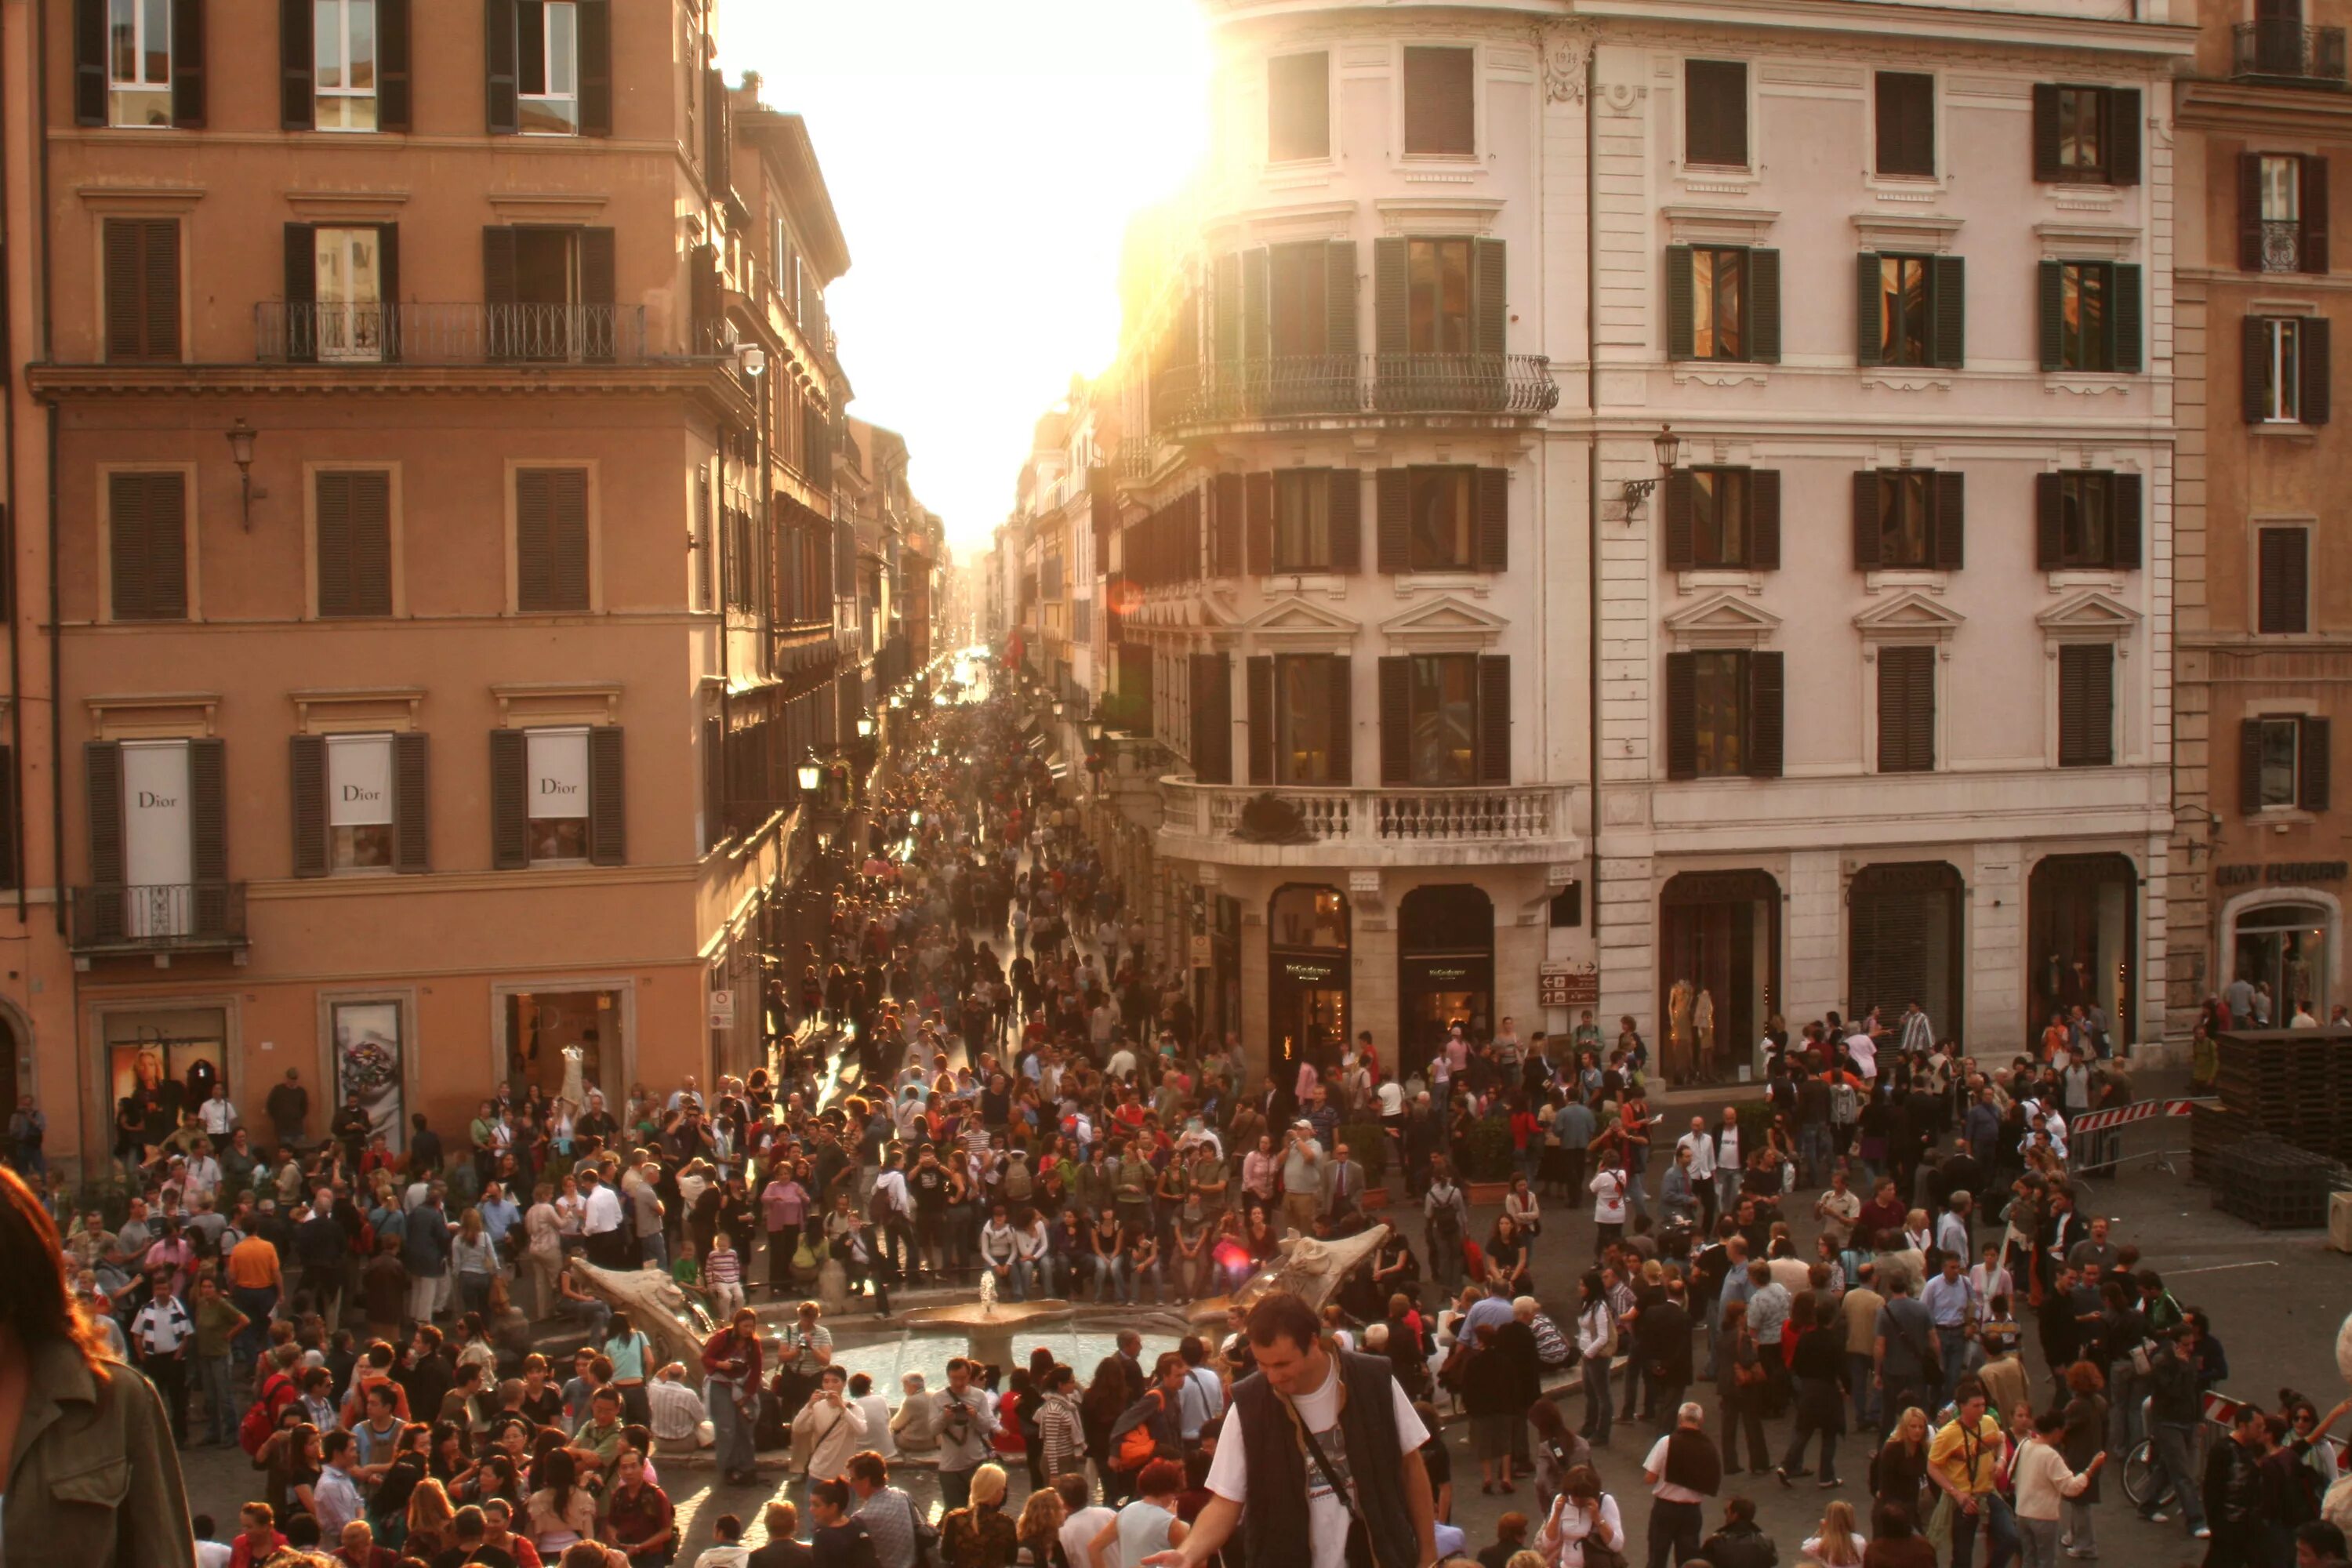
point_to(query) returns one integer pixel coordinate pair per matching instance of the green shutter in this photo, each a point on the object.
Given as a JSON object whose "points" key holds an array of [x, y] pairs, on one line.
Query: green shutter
{"points": [[1948, 288], [1680, 307], [2123, 318], [1764, 306], [1488, 291], [2051, 295], [1257, 286], [1869, 331], [1391, 296]]}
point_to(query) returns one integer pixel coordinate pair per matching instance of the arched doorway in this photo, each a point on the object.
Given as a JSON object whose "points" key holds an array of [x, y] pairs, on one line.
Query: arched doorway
{"points": [[2083, 942], [1446, 967], [1904, 943], [1718, 971], [1308, 978]]}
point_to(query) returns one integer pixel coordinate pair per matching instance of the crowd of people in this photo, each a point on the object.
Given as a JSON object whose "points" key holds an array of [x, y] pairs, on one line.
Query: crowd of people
{"points": [[984, 1074]]}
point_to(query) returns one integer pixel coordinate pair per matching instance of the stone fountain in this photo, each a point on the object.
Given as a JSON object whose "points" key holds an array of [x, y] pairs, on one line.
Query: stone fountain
{"points": [[989, 1324]]}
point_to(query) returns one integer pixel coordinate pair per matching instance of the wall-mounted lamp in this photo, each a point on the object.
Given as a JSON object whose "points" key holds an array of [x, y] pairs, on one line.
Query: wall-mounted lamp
{"points": [[809, 773], [865, 726], [1668, 446], [240, 448]]}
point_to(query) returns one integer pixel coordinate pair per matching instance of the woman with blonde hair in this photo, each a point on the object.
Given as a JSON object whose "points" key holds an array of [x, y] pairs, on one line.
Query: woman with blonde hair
{"points": [[1039, 1530], [980, 1535], [1836, 1544], [474, 1258], [1900, 1470], [432, 1521]]}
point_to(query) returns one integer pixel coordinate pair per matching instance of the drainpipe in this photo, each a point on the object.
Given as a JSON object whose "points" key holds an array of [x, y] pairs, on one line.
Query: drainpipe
{"points": [[1592, 472], [9, 532]]}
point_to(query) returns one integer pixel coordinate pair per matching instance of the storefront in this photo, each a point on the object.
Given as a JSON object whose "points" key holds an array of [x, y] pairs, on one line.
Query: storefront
{"points": [[368, 1054], [1905, 929], [1307, 977], [1446, 967], [2081, 942], [163, 1060], [566, 1042], [2286, 946], [1718, 972]]}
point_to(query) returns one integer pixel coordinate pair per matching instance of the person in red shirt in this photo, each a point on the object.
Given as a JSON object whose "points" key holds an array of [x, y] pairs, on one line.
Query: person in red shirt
{"points": [[731, 1367], [259, 1540]]}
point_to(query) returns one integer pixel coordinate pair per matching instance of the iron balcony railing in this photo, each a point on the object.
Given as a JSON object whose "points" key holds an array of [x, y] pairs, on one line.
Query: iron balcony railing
{"points": [[1311, 386], [2287, 49], [460, 334], [158, 916], [2282, 244]]}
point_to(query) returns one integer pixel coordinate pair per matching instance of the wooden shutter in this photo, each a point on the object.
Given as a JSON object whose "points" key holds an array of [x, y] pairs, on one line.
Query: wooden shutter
{"points": [[608, 814], [1392, 504], [1865, 519], [1340, 703], [2282, 581], [2311, 764], [2045, 132], [1225, 308], [1869, 303], [369, 545], [2049, 508], [89, 31], [1213, 717], [1259, 672], [1488, 293], [2311, 181], [1258, 290], [333, 534], [1440, 102], [188, 64], [411, 804], [1764, 519], [2123, 318], [2086, 705], [534, 540], [2125, 492], [1259, 529], [2253, 369], [1226, 526], [1764, 306], [1396, 722], [596, 23], [2124, 134], [510, 800], [387, 251], [393, 34], [1682, 715], [143, 288], [1493, 543], [147, 546], [2250, 765], [1948, 286], [208, 813], [102, 765], [301, 292], [126, 547], [2051, 301], [1346, 518], [1714, 122], [1948, 493], [497, 265], [307, 786], [1906, 105], [502, 53], [1495, 720], [1682, 496], [1682, 307], [296, 57], [1765, 724], [2249, 212], [1907, 709], [1340, 299], [599, 285], [2313, 367], [1392, 295], [568, 552]]}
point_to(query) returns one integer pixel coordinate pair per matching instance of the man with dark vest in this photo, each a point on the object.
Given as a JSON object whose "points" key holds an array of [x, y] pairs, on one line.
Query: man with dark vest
{"points": [[1301, 1430], [1683, 1470]]}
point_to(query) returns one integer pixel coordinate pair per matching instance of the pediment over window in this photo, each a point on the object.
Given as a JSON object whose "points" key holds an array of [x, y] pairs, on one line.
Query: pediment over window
{"points": [[1727, 620], [1295, 622], [2089, 615], [1444, 624], [1910, 618]]}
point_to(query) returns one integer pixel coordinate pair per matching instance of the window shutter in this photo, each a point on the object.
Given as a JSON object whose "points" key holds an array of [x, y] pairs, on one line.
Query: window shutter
{"points": [[1764, 306], [1440, 102], [2312, 181], [1392, 295], [2124, 320], [143, 288], [392, 68], [1493, 551], [1682, 309], [1225, 308], [501, 51], [103, 763], [599, 287], [1257, 288], [369, 545], [2123, 505], [308, 790], [497, 266], [1488, 288], [301, 292], [2311, 761], [387, 250], [2045, 132], [1396, 722], [1213, 719], [148, 546], [2249, 212], [608, 815], [1865, 519], [1948, 279], [1259, 672], [1682, 715], [1226, 526], [126, 546], [2047, 548], [1346, 520], [188, 64], [1869, 327], [511, 800], [2086, 705], [1681, 498], [1764, 714], [208, 813], [1340, 299], [2250, 765], [1495, 720], [296, 54], [2124, 129], [595, 22], [2254, 368], [1906, 713], [1764, 519], [411, 804], [2052, 313], [1259, 530], [1949, 490], [534, 540], [334, 522], [1340, 703], [1393, 504], [89, 62], [2311, 365], [568, 554]]}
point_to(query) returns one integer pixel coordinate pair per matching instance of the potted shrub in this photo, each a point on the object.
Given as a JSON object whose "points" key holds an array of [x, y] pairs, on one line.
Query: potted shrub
{"points": [[1492, 1163]]}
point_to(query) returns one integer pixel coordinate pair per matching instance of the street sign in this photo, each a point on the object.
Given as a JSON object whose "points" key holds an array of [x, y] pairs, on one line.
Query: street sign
{"points": [[1200, 953], [1566, 985], [723, 1009]]}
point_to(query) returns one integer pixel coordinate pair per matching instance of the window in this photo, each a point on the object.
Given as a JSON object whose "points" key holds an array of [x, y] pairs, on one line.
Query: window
{"points": [[2090, 317], [1719, 292], [2283, 586], [1714, 113], [1720, 706], [2087, 520], [143, 288], [2081, 132], [348, 278], [1905, 103], [147, 546], [1440, 102], [1302, 519], [2286, 370], [1904, 530], [2086, 705], [1442, 718], [2086, 135], [1724, 713], [548, 85], [2282, 212], [1299, 317], [1908, 519], [2275, 772], [551, 540], [551, 292], [1299, 107], [359, 802], [1723, 303], [354, 542], [1719, 517], [1310, 720], [139, 61], [1437, 274], [1440, 514], [343, 67], [2283, 764], [557, 791], [1907, 709]]}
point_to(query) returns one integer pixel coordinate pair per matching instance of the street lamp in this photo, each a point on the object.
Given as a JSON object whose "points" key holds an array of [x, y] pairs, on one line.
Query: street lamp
{"points": [[1057, 707], [809, 773], [1094, 731], [865, 726], [240, 450], [1667, 446]]}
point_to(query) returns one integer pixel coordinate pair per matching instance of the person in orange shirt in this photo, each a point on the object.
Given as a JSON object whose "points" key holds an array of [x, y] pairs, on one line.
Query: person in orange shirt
{"points": [[254, 1283]]}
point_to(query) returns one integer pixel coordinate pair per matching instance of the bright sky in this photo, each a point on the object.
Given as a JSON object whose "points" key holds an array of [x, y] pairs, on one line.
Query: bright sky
{"points": [[984, 156]]}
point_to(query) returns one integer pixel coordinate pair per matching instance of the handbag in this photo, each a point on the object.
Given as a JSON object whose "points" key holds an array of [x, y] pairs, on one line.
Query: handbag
{"points": [[1359, 1534], [1599, 1553], [927, 1536]]}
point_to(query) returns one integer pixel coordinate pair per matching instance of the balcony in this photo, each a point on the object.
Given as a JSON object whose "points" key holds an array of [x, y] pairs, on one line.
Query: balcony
{"points": [[1312, 386], [456, 334], [1252, 824], [2287, 50], [157, 920]]}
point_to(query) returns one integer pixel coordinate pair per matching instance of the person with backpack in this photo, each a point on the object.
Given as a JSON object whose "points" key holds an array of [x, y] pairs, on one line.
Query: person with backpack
{"points": [[1446, 1220]]}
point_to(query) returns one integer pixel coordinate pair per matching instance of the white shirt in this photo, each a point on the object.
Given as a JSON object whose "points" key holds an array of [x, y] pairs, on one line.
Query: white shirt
{"points": [[1392, 1098], [1662, 1488], [162, 1327], [892, 1184], [1078, 1534], [1702, 1154], [1864, 1052], [1326, 1515], [219, 1117], [1608, 1198], [604, 1211]]}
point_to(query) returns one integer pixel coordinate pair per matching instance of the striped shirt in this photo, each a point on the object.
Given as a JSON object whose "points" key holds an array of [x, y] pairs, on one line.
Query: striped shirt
{"points": [[722, 1266]]}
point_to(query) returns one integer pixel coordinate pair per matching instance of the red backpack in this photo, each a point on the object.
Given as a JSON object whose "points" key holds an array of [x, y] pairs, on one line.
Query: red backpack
{"points": [[261, 1415]]}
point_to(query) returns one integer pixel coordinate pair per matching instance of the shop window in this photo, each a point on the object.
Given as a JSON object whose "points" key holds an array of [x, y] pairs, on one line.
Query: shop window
{"points": [[2285, 947]]}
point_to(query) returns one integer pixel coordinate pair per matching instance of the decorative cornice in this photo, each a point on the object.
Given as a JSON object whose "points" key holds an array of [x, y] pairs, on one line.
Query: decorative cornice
{"points": [[1566, 51]]}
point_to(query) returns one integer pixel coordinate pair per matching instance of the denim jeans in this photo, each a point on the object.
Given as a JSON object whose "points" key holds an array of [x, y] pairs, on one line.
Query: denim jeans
{"points": [[1865, 1395], [1814, 1152], [1999, 1525], [220, 1400], [1597, 1413], [2174, 1443], [2037, 1541], [731, 1428]]}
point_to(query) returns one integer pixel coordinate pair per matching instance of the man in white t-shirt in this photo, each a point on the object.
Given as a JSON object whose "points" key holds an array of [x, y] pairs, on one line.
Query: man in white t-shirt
{"points": [[1296, 1370], [1085, 1522], [1864, 1052]]}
